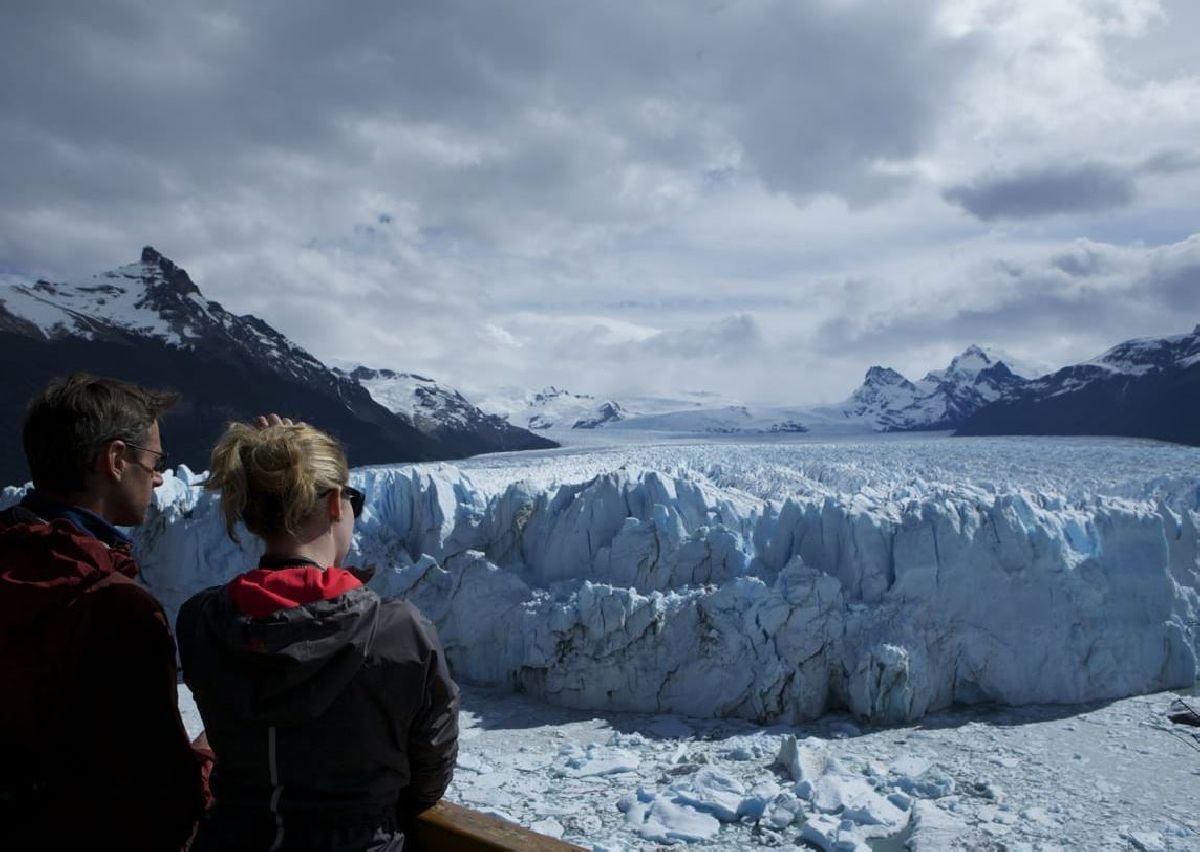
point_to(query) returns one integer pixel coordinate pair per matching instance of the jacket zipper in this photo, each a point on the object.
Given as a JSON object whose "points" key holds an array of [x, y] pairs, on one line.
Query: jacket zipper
{"points": [[276, 790]]}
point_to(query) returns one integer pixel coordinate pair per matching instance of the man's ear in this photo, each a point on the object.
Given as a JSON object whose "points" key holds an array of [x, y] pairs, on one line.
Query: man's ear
{"points": [[110, 465]]}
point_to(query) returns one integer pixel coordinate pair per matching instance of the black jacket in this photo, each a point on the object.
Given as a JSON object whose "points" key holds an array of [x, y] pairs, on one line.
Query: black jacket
{"points": [[331, 721]]}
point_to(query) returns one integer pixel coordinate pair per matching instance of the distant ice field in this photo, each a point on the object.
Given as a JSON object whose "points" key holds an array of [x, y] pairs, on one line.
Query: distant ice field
{"points": [[889, 466]]}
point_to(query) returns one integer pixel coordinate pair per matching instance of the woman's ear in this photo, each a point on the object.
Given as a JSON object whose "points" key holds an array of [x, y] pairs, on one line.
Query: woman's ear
{"points": [[334, 498]]}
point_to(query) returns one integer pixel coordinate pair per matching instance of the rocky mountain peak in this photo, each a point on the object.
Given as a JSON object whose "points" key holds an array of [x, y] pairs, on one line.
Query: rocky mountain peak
{"points": [[970, 360], [369, 374], [152, 257], [878, 375], [608, 412], [159, 268], [550, 392]]}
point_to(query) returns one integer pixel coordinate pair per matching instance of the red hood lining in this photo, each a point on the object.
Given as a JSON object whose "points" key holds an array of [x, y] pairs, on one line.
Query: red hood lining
{"points": [[262, 592]]}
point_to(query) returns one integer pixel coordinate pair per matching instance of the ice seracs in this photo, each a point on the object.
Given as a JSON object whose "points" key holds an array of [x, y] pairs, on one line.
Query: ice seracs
{"points": [[665, 583]]}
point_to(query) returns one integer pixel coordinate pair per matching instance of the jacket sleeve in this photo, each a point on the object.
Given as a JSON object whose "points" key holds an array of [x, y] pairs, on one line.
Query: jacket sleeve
{"points": [[433, 736], [149, 763]]}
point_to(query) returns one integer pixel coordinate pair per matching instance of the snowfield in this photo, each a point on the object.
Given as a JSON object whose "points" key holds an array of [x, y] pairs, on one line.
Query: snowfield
{"points": [[883, 621]]}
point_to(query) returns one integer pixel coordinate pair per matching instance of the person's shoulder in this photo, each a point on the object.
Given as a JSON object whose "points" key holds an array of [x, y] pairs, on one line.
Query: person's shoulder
{"points": [[400, 611], [401, 624], [191, 610], [127, 614], [396, 614], [205, 596], [125, 597]]}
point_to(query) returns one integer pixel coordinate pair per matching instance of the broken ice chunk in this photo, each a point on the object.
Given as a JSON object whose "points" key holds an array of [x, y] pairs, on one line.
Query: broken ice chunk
{"points": [[596, 760], [783, 810], [660, 818], [549, 827], [933, 828], [712, 791], [833, 834], [803, 762], [933, 784]]}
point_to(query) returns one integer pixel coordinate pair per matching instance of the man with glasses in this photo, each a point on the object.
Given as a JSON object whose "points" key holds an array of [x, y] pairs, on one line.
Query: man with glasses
{"points": [[93, 753]]}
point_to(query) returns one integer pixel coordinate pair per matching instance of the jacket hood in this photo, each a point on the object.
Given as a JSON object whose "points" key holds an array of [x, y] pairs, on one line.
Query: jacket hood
{"points": [[46, 564], [286, 667], [265, 591]]}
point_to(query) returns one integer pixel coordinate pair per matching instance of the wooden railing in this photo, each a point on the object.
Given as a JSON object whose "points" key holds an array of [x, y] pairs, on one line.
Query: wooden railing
{"points": [[447, 827]]}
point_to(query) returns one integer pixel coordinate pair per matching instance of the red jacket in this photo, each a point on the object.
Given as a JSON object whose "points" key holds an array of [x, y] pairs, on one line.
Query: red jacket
{"points": [[93, 752]]}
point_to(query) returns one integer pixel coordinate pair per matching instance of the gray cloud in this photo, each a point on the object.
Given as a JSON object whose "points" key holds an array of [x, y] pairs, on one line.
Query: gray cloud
{"points": [[1087, 187], [1080, 262], [817, 93], [1046, 190], [406, 185], [737, 336], [1086, 300], [1178, 290], [522, 113], [1172, 161]]}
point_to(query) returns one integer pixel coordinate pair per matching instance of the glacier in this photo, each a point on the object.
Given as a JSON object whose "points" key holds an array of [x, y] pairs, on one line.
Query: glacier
{"points": [[774, 581]]}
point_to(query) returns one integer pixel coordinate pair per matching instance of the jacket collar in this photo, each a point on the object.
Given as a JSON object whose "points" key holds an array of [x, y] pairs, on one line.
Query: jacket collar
{"points": [[49, 507]]}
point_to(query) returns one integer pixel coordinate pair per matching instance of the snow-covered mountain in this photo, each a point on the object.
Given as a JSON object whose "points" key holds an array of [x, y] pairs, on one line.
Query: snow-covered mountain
{"points": [[152, 300], [722, 420], [148, 322], [1143, 388], [885, 402], [888, 402], [552, 408], [443, 412]]}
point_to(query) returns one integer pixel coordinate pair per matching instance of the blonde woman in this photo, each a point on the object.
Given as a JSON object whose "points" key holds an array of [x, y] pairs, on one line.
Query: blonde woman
{"points": [[331, 712]]}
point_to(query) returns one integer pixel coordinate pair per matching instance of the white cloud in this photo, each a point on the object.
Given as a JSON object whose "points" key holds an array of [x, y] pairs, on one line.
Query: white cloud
{"points": [[747, 197]]}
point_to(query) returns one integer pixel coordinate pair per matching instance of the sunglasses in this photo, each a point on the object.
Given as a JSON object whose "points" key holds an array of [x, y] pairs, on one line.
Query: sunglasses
{"points": [[160, 463], [356, 498]]}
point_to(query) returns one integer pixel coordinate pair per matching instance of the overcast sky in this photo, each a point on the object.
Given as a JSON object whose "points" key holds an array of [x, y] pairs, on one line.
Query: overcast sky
{"points": [[760, 199]]}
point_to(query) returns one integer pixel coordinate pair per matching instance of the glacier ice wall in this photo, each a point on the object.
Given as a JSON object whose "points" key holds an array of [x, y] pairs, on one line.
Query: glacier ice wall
{"points": [[671, 590]]}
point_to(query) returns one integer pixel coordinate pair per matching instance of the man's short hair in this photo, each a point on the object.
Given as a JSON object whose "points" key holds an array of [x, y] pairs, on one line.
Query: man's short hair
{"points": [[68, 424]]}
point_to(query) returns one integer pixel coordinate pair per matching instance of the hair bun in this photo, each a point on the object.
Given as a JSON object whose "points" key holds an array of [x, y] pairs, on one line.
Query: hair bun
{"points": [[270, 478]]}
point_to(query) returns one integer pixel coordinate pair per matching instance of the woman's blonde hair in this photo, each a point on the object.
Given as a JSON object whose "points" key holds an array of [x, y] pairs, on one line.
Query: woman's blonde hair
{"points": [[271, 479]]}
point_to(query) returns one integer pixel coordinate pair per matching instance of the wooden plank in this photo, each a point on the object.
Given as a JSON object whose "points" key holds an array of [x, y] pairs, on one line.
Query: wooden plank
{"points": [[447, 827]]}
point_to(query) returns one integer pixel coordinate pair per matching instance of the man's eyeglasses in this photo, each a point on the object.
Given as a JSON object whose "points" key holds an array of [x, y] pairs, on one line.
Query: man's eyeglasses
{"points": [[356, 498], [160, 462]]}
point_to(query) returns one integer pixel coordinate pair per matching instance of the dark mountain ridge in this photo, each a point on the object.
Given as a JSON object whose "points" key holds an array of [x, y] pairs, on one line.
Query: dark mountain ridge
{"points": [[1141, 388], [149, 323]]}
